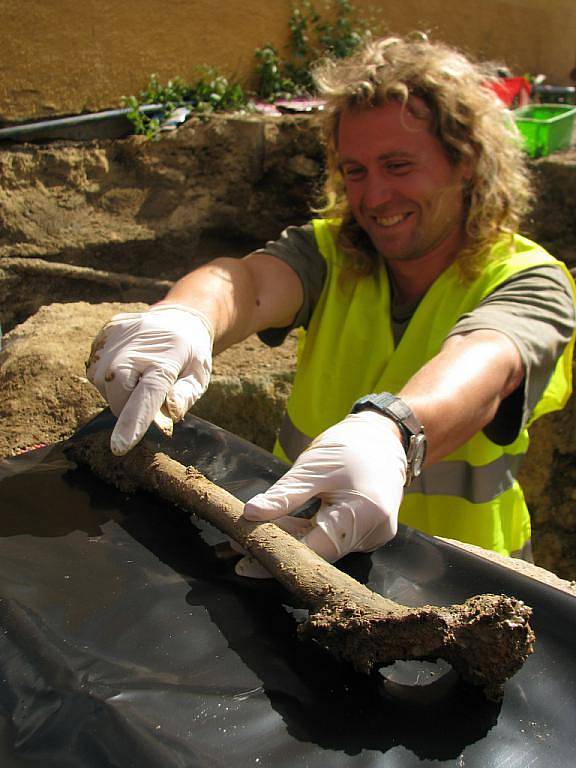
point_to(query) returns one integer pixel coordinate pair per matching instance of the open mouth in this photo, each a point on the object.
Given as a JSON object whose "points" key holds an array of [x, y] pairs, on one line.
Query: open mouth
{"points": [[391, 221]]}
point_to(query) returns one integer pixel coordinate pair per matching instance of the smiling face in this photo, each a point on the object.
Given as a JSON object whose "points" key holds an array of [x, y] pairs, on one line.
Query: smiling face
{"points": [[400, 185]]}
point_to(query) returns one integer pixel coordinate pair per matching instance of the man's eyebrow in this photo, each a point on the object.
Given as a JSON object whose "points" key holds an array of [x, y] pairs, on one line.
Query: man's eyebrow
{"points": [[394, 154]]}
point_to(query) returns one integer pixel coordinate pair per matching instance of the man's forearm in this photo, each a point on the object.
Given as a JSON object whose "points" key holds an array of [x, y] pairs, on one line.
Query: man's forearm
{"points": [[224, 292], [459, 391], [240, 296]]}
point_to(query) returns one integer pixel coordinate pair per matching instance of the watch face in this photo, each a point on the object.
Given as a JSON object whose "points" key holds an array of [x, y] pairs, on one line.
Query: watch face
{"points": [[416, 454]]}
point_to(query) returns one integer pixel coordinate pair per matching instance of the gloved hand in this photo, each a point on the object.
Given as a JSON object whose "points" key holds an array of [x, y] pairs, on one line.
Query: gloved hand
{"points": [[143, 361], [358, 469]]}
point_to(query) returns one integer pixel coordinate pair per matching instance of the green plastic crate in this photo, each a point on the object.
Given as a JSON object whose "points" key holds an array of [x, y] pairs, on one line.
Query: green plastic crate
{"points": [[545, 128]]}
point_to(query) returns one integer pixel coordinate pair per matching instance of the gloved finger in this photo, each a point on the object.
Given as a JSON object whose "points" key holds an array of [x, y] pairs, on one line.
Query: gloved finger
{"points": [[250, 567], [119, 383], [322, 544], [137, 415], [354, 523], [94, 366], [164, 422], [295, 526], [182, 396], [305, 530], [301, 483], [107, 341]]}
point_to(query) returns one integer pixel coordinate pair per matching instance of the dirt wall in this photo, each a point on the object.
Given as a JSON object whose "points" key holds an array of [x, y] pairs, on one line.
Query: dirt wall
{"points": [[66, 57], [116, 220]]}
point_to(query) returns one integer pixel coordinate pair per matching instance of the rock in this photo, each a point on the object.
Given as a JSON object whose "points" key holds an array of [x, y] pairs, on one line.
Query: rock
{"points": [[548, 477], [46, 395]]}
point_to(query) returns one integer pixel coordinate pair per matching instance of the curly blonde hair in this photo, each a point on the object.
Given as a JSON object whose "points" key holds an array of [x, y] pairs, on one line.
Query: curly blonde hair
{"points": [[465, 115]]}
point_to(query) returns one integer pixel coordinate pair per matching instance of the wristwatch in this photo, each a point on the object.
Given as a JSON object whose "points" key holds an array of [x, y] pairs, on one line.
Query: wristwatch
{"points": [[413, 437]]}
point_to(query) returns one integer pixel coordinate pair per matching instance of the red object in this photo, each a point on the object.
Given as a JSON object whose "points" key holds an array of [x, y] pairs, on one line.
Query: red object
{"points": [[513, 91], [29, 448]]}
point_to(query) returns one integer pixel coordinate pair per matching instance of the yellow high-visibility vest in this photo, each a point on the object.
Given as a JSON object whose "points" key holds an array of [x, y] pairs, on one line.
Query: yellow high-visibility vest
{"points": [[348, 351]]}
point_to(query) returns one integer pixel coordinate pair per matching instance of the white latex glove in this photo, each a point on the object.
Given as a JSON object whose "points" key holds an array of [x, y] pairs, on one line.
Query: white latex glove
{"points": [[358, 469], [144, 361]]}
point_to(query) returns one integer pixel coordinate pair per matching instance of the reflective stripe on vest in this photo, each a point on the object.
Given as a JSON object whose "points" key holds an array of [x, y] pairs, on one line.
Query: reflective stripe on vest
{"points": [[476, 484]]}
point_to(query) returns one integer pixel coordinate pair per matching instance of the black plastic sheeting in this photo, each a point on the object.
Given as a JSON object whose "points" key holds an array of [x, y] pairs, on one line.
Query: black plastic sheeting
{"points": [[125, 641]]}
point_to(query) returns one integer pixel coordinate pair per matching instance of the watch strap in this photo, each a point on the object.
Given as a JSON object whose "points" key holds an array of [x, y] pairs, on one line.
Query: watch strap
{"points": [[411, 430], [393, 407]]}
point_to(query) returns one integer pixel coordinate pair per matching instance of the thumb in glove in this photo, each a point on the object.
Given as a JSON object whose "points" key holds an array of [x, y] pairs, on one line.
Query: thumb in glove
{"points": [[357, 469]]}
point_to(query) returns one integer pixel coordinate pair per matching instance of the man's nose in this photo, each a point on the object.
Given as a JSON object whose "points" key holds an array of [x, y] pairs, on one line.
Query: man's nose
{"points": [[378, 190]]}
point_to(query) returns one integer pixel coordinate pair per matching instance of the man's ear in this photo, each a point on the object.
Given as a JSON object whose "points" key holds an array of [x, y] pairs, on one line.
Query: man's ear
{"points": [[467, 167]]}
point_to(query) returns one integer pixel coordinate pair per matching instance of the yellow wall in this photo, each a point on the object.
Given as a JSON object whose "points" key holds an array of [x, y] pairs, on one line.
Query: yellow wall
{"points": [[68, 56]]}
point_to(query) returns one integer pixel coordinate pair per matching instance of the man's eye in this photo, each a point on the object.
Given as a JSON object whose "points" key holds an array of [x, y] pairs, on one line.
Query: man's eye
{"points": [[353, 172], [399, 167]]}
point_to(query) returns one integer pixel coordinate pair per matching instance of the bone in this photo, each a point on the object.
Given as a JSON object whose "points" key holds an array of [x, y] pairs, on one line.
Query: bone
{"points": [[486, 639]]}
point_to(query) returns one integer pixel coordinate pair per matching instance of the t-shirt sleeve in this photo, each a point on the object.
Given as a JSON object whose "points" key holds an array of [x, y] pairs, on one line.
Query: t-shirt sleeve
{"points": [[535, 309], [297, 247]]}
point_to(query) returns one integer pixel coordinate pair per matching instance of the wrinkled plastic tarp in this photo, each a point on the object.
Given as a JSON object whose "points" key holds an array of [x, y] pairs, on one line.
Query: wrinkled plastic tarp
{"points": [[125, 641]]}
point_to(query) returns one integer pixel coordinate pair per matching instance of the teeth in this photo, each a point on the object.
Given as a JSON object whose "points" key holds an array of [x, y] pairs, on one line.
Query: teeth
{"points": [[390, 220]]}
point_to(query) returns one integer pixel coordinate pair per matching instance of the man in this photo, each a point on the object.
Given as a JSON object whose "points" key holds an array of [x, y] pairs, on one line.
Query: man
{"points": [[434, 335]]}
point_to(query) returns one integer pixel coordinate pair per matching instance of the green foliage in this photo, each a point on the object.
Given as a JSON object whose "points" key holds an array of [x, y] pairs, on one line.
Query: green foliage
{"points": [[213, 92], [209, 92], [346, 34], [272, 77], [174, 92], [144, 125], [339, 32]]}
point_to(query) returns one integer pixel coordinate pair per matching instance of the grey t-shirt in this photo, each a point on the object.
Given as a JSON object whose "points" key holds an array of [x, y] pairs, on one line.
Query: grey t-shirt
{"points": [[534, 308]]}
